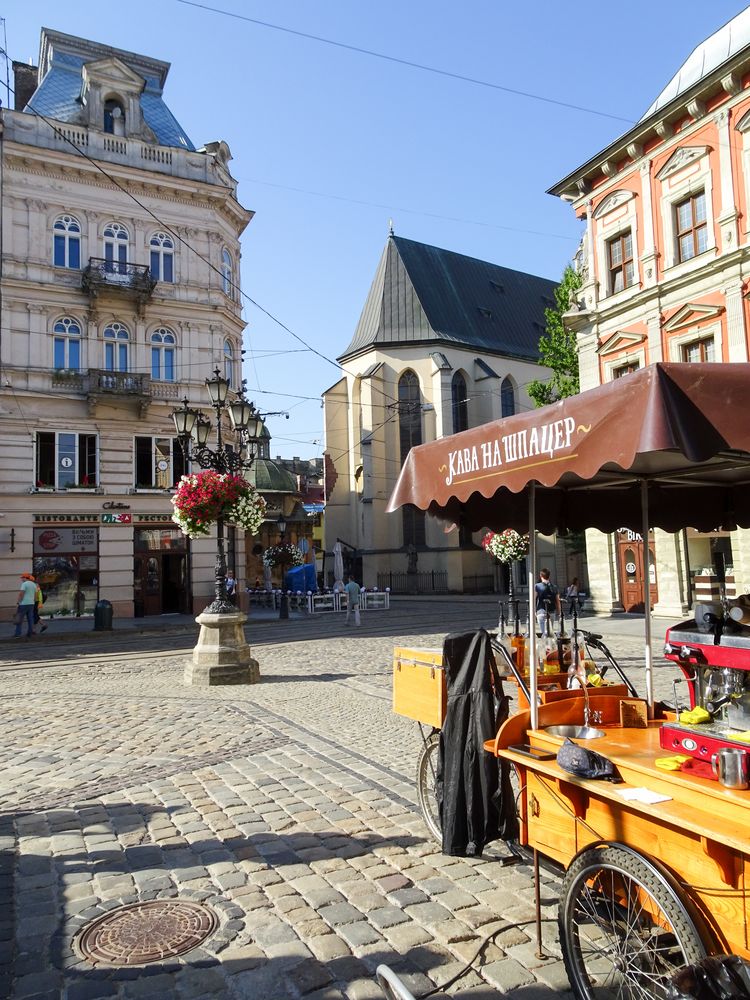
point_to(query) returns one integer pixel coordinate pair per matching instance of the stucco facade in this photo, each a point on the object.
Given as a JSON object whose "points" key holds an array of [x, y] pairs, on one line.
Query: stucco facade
{"points": [[422, 364], [120, 257], [666, 268]]}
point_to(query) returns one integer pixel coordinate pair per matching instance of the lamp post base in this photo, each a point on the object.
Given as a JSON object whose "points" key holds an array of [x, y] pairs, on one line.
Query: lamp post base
{"points": [[221, 656]]}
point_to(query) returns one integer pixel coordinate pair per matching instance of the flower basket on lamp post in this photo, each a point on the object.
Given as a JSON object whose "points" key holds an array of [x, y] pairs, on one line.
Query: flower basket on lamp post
{"points": [[507, 547], [218, 495], [284, 554]]}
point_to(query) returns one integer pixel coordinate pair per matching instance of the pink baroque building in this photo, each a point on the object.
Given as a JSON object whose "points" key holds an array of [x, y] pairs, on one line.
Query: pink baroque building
{"points": [[665, 260]]}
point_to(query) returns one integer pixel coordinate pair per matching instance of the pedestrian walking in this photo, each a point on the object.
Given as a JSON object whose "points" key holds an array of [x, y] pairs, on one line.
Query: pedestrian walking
{"points": [[547, 600], [231, 586], [571, 594], [26, 602], [352, 589]]}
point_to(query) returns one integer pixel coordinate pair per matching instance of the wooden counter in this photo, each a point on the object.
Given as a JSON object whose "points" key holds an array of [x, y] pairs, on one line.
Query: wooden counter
{"points": [[701, 834]]}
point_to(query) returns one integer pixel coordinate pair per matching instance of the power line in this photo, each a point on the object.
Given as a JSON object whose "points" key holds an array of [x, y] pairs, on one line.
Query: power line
{"points": [[408, 62], [409, 211], [183, 242]]}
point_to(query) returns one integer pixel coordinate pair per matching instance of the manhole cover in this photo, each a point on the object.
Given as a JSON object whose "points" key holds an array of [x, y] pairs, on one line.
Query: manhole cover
{"points": [[146, 932]]}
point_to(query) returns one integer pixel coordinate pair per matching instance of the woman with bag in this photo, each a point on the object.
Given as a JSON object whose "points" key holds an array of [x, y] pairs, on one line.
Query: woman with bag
{"points": [[572, 595]]}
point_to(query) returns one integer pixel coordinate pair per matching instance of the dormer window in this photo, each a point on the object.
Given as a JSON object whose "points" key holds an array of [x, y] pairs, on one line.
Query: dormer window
{"points": [[114, 117]]}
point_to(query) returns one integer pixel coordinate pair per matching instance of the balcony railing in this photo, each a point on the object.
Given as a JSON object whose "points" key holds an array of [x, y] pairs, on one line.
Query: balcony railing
{"points": [[113, 275], [104, 385]]}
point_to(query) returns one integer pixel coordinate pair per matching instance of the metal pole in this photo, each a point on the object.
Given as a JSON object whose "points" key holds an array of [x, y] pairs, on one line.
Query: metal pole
{"points": [[647, 598], [532, 608]]}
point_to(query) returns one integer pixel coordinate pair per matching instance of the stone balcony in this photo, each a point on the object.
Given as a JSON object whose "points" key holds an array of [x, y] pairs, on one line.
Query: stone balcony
{"points": [[105, 386], [118, 278]]}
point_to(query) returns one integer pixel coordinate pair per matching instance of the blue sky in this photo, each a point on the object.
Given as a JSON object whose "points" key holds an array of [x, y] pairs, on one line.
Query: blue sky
{"points": [[330, 144]]}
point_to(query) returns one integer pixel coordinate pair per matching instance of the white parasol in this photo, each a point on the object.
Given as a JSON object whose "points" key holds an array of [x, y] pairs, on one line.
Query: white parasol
{"points": [[338, 562]]}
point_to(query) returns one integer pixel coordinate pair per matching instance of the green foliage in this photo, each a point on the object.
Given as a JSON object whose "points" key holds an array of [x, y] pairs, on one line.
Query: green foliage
{"points": [[557, 347]]}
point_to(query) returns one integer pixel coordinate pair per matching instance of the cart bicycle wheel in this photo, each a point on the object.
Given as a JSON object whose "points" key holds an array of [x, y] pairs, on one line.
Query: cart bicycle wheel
{"points": [[427, 793], [623, 928]]}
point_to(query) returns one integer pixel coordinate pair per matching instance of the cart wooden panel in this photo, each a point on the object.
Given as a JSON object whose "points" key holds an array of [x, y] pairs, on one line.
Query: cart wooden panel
{"points": [[702, 834]]}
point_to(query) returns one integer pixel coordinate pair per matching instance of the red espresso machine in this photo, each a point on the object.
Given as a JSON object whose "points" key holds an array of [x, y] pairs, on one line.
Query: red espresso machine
{"points": [[714, 657]]}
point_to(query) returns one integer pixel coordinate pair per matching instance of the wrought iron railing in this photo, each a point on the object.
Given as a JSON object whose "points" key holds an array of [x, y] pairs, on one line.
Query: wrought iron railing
{"points": [[102, 273], [400, 582]]}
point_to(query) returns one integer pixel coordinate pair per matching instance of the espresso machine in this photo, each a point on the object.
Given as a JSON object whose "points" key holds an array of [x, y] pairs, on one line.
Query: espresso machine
{"points": [[713, 652]]}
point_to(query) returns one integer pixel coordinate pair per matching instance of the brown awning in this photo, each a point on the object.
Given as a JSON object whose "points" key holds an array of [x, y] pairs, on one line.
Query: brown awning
{"points": [[684, 428]]}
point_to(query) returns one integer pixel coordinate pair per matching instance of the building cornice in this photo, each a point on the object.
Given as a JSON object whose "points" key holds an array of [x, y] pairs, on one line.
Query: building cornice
{"points": [[140, 182]]}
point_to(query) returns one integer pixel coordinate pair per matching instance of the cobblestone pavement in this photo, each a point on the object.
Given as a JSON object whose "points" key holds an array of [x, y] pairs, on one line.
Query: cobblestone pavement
{"points": [[288, 807]]}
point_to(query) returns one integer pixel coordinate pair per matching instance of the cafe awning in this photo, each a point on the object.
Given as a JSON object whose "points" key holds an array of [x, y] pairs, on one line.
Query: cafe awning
{"points": [[683, 429]]}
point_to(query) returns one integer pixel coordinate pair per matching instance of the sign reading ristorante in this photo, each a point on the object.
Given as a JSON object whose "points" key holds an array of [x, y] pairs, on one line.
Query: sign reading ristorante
{"points": [[549, 440], [120, 517]]}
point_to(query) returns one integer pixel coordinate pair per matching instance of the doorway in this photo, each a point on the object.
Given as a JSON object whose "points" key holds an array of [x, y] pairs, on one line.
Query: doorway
{"points": [[160, 572], [631, 570]]}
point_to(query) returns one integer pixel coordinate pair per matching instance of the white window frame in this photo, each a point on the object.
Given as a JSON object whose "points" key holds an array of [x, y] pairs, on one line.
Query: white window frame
{"points": [[612, 225], [227, 274], [113, 342], [69, 235], [676, 188], [162, 244], [58, 485], [609, 367], [158, 342], [743, 127], [64, 336], [117, 242], [174, 449], [678, 341], [229, 362]]}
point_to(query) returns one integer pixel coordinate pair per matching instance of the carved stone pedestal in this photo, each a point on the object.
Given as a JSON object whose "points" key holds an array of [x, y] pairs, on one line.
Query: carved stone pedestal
{"points": [[221, 656]]}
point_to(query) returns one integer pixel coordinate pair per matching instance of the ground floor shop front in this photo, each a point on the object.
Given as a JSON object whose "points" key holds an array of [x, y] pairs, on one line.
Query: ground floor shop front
{"points": [[136, 558], [684, 567]]}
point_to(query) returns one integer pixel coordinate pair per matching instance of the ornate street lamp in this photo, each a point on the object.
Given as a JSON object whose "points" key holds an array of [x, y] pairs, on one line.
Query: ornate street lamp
{"points": [[234, 457], [284, 603]]}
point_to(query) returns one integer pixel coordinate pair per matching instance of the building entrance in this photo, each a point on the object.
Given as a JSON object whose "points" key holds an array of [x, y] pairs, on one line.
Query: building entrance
{"points": [[160, 572], [630, 569]]}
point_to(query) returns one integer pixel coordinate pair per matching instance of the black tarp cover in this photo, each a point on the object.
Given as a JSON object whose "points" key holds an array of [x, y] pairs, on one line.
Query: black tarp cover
{"points": [[475, 796]]}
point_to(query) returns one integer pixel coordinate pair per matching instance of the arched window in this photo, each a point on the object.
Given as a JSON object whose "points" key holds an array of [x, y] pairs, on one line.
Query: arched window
{"points": [[162, 257], [114, 117], [116, 239], [66, 242], [229, 362], [116, 339], [162, 355], [67, 343], [459, 400], [227, 273], [410, 435], [507, 397]]}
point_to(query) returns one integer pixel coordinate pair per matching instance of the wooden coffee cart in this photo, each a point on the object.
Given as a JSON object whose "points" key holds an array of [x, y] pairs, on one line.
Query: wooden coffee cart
{"points": [[656, 867]]}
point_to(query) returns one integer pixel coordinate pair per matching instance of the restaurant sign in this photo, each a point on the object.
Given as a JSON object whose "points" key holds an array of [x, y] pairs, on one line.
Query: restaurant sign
{"points": [[547, 442], [47, 540]]}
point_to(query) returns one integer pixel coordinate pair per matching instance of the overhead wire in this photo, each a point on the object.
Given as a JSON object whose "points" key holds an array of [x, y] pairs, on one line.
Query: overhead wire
{"points": [[361, 50]]}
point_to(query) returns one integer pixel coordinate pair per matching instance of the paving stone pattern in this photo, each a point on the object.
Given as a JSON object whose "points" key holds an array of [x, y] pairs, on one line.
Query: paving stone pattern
{"points": [[288, 807]]}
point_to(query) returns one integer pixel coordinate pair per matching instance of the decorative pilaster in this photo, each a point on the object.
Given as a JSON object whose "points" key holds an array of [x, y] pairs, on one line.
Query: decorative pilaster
{"points": [[649, 255], [655, 349], [728, 213], [736, 333], [602, 561]]}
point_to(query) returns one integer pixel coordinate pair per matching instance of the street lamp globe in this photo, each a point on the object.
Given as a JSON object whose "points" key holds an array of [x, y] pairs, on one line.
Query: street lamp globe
{"points": [[218, 388], [201, 430], [184, 419], [281, 522]]}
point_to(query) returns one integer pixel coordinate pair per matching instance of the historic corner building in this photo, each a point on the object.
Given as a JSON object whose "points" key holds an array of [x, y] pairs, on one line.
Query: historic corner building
{"points": [[108, 319], [445, 342], [666, 267]]}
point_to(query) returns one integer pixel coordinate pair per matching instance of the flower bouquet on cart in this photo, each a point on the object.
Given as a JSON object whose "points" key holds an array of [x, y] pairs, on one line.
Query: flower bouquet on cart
{"points": [[283, 554], [203, 497]]}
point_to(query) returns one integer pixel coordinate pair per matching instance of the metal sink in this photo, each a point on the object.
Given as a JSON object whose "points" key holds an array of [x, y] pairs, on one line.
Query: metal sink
{"points": [[575, 732]]}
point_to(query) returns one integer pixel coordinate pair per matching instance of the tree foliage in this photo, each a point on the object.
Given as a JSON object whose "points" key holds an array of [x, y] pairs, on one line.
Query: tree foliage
{"points": [[558, 347]]}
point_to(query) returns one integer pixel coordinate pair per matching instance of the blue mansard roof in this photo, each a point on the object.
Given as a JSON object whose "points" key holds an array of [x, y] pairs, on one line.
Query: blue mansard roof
{"points": [[61, 62]]}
